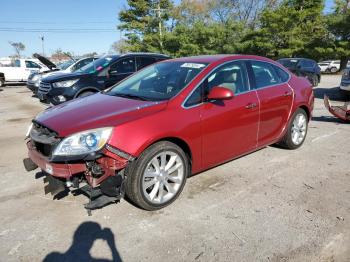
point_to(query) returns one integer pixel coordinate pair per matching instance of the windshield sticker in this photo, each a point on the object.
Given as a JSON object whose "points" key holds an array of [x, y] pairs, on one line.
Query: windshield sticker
{"points": [[193, 65]]}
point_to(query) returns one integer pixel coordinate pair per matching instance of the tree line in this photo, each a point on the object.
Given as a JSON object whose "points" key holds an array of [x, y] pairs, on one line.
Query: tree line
{"points": [[271, 28]]}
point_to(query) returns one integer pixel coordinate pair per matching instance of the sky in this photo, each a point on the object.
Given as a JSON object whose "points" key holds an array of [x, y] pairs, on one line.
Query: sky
{"points": [[89, 16]]}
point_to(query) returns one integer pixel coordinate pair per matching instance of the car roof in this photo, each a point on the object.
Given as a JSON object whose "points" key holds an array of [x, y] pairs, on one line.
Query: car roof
{"points": [[115, 56], [297, 58], [219, 58], [143, 54]]}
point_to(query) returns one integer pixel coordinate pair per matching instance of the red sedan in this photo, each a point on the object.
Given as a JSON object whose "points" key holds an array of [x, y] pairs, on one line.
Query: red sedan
{"points": [[147, 134]]}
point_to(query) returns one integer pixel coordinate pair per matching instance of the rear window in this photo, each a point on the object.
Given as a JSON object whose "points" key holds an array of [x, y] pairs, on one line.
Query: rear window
{"points": [[289, 63], [307, 63]]}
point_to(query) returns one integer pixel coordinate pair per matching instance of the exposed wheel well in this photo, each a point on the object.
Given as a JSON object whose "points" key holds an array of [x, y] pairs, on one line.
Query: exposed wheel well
{"points": [[181, 143], [86, 90], [306, 109]]}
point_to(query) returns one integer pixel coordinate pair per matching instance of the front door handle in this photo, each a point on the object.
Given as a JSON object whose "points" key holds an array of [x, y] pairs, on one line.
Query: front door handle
{"points": [[250, 105]]}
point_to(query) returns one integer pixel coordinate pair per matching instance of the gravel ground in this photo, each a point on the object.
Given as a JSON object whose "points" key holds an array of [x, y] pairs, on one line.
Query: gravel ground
{"points": [[271, 205]]}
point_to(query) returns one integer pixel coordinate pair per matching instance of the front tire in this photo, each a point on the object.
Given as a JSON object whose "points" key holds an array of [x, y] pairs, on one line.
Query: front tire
{"points": [[158, 176], [297, 130]]}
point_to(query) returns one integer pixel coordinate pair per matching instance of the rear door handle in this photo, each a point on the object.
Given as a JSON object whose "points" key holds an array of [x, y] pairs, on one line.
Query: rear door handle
{"points": [[287, 94], [250, 105]]}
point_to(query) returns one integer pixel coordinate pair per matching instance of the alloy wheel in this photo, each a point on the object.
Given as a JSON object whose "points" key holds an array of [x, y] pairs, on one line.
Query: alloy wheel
{"points": [[163, 177], [299, 129]]}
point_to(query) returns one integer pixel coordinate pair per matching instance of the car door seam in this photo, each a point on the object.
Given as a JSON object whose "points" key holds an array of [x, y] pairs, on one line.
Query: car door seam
{"points": [[290, 110], [259, 105]]}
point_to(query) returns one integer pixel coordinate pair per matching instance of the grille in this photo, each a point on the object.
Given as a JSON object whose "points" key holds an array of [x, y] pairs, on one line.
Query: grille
{"points": [[44, 87], [44, 149], [43, 139]]}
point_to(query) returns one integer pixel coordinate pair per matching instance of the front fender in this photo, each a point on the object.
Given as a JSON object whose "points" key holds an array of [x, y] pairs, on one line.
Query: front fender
{"points": [[178, 123]]}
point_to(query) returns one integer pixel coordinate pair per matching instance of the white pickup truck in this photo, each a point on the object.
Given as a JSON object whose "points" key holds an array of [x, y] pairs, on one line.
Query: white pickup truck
{"points": [[18, 70]]}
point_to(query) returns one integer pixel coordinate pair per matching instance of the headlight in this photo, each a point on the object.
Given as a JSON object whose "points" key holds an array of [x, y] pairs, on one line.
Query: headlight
{"points": [[67, 83], [37, 83], [36, 77], [83, 142]]}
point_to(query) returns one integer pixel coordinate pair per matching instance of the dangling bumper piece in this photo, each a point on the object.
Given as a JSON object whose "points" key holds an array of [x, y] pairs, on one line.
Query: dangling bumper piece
{"points": [[341, 112], [100, 179]]}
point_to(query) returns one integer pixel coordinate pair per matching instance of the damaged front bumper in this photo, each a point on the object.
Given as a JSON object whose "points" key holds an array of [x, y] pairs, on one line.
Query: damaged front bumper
{"points": [[100, 178], [341, 112]]}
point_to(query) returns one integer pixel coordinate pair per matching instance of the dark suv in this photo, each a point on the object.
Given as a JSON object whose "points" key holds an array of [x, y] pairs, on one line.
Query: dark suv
{"points": [[303, 67], [94, 77]]}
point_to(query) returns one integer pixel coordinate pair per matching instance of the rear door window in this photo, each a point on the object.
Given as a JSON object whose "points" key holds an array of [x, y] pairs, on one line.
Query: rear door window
{"points": [[142, 62], [123, 66], [265, 74]]}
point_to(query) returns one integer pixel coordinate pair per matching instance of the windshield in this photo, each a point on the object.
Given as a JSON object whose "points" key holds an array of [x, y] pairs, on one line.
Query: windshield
{"points": [[65, 65], [289, 63], [157, 82], [97, 65]]}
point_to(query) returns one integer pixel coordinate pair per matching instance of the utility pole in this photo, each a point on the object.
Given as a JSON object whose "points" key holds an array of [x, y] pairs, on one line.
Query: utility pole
{"points": [[42, 44], [159, 11]]}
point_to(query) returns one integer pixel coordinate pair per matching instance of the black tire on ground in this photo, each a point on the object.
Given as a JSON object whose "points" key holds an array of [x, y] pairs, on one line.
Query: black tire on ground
{"points": [[314, 80], [287, 141], [333, 70], [135, 170], [86, 93]]}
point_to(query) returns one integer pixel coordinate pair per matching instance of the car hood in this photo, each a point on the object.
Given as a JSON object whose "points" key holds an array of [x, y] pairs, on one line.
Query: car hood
{"points": [[45, 61], [64, 76], [95, 111]]}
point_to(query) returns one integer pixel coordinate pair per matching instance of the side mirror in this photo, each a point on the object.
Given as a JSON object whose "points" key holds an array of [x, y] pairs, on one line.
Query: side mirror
{"points": [[220, 93]]}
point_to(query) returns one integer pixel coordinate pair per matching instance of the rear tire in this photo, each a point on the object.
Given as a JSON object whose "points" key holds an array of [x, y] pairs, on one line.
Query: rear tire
{"points": [[158, 176], [296, 131], [333, 70]]}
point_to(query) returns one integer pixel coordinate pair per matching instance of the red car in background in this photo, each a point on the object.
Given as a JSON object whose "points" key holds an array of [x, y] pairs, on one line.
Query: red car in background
{"points": [[148, 133]]}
